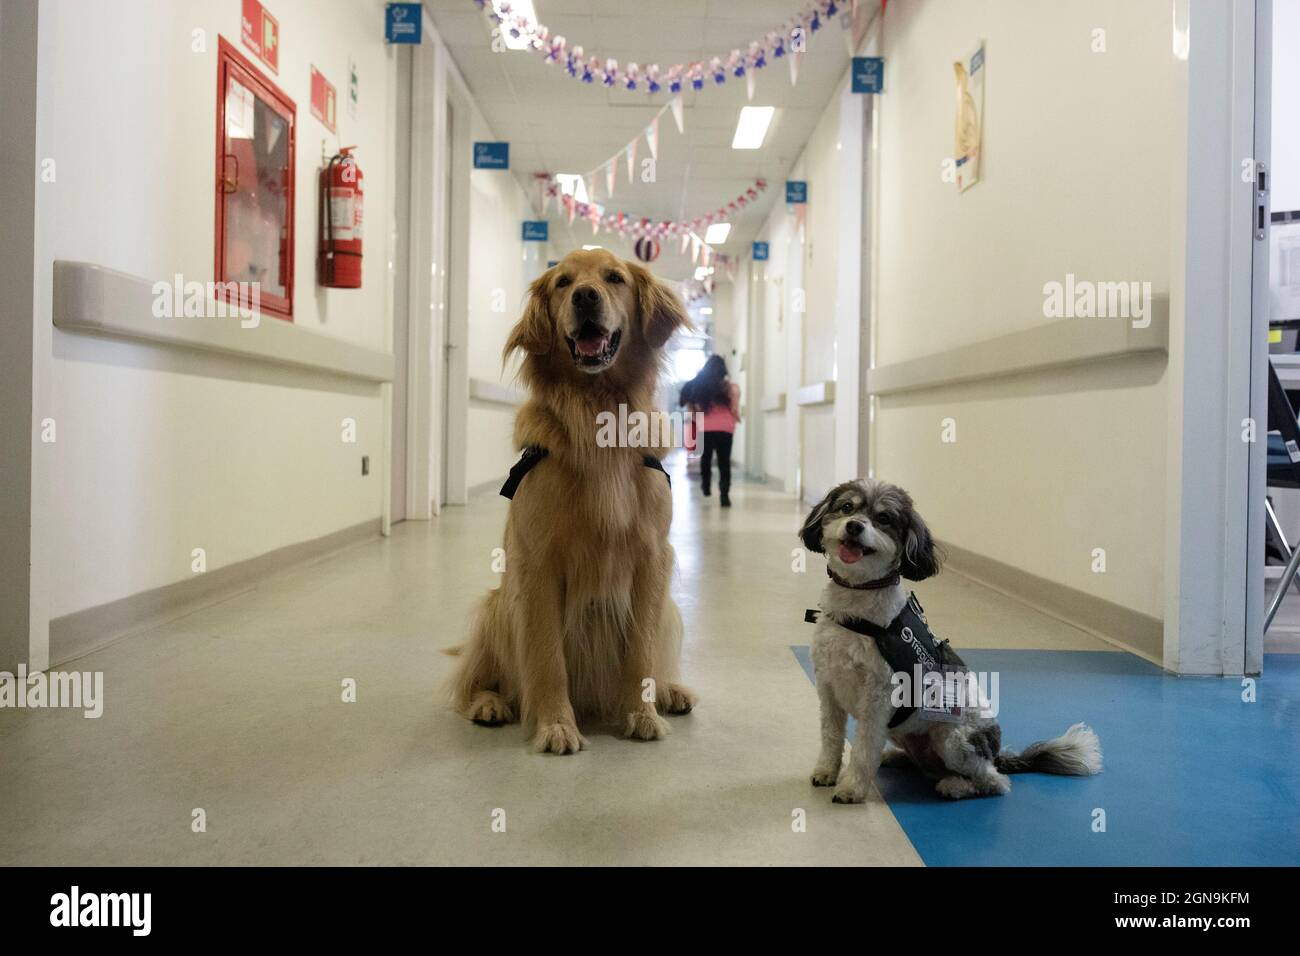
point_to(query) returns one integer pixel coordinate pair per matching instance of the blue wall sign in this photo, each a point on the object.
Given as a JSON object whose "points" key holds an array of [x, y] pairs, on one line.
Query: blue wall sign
{"points": [[536, 230], [403, 22], [868, 74], [796, 192], [760, 252], [491, 155]]}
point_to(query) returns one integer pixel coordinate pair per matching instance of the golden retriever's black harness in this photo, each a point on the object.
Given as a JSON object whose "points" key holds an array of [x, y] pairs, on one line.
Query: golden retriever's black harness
{"points": [[904, 644], [535, 453]]}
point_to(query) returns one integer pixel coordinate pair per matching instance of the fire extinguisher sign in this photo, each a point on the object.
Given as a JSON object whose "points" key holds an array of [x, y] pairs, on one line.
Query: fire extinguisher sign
{"points": [[324, 100], [261, 33]]}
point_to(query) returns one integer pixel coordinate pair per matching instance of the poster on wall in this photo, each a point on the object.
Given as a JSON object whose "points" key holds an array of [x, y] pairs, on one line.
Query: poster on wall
{"points": [[969, 131]]}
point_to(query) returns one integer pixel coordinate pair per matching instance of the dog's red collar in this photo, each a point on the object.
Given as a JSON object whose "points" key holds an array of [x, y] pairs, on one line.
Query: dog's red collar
{"points": [[886, 582]]}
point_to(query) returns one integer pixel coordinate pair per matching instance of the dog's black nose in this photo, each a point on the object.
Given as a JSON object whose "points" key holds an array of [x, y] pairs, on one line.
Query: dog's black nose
{"points": [[854, 528], [586, 296]]}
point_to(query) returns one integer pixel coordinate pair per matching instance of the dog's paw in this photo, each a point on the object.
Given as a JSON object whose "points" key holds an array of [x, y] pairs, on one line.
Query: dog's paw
{"points": [[645, 725], [558, 738], [955, 787], [490, 709], [675, 699], [825, 776], [849, 793]]}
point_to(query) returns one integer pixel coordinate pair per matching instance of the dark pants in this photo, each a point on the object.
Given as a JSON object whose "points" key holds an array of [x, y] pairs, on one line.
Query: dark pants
{"points": [[720, 442]]}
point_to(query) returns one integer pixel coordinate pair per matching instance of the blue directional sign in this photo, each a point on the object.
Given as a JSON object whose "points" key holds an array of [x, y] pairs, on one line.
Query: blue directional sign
{"points": [[796, 191], [760, 252], [491, 155], [536, 230], [403, 22], [868, 74]]}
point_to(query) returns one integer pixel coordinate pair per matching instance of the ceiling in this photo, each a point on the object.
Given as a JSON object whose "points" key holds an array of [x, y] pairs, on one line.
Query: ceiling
{"points": [[555, 123]]}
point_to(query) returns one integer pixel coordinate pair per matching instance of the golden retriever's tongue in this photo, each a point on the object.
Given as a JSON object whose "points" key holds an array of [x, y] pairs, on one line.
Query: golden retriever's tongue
{"points": [[850, 553], [593, 345]]}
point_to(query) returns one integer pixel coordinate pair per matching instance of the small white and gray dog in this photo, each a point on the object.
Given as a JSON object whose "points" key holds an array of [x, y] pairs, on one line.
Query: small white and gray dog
{"points": [[871, 627]]}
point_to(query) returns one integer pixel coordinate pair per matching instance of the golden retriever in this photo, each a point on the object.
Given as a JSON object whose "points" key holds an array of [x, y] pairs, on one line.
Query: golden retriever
{"points": [[582, 624]]}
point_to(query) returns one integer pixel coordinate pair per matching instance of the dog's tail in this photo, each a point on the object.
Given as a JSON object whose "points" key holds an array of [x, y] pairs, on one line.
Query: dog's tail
{"points": [[1076, 753]]}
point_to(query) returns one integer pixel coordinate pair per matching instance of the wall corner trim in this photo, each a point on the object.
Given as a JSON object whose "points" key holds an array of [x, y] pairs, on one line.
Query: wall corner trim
{"points": [[1129, 630], [81, 632]]}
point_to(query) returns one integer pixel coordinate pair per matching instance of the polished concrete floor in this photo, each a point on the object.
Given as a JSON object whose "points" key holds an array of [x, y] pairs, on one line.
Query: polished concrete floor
{"points": [[236, 710]]}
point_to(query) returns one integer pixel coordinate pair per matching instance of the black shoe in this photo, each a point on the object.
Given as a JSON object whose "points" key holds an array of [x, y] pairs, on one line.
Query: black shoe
{"points": [[705, 491], [726, 501]]}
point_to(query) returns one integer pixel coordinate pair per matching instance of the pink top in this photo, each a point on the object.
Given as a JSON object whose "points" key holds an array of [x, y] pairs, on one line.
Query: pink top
{"points": [[723, 418]]}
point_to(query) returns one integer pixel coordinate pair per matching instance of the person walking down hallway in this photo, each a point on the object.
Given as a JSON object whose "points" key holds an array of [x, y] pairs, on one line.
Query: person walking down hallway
{"points": [[713, 395]]}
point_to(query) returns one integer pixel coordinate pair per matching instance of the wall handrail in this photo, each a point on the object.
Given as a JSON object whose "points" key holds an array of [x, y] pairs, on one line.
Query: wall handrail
{"points": [[1056, 344], [102, 301], [483, 390]]}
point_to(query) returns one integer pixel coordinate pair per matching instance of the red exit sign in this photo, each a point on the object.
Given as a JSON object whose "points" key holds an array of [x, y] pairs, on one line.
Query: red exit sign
{"points": [[261, 33]]}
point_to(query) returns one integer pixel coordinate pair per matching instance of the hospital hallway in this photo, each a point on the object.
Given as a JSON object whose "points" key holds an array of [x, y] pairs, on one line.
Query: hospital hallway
{"points": [[235, 708], [326, 319]]}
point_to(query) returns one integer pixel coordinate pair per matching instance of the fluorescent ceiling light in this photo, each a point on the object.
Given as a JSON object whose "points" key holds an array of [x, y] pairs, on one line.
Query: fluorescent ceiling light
{"points": [[522, 8], [589, 248], [717, 233], [706, 310], [703, 272], [752, 127], [572, 184]]}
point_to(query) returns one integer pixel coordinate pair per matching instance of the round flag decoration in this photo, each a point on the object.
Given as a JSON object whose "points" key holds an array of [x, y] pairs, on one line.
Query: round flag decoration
{"points": [[647, 249]]}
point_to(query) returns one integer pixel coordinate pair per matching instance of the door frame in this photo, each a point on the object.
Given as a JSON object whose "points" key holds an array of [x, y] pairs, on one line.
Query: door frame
{"points": [[437, 391], [1214, 516], [1257, 492]]}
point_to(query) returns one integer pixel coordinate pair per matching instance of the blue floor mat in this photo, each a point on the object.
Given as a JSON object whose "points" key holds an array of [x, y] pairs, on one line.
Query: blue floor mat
{"points": [[1193, 775]]}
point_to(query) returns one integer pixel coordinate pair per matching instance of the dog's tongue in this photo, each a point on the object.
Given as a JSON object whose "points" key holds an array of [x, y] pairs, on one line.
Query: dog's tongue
{"points": [[850, 553], [592, 345]]}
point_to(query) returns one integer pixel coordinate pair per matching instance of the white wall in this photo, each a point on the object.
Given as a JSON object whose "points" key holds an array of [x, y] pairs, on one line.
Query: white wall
{"points": [[501, 265], [1286, 106], [1078, 151], [160, 452], [814, 264]]}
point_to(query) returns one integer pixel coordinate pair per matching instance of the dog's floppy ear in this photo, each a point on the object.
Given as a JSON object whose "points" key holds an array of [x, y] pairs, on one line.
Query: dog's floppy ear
{"points": [[534, 333], [811, 532], [921, 557], [662, 312]]}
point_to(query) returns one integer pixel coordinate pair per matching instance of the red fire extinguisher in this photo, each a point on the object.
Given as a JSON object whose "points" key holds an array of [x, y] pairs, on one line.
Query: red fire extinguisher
{"points": [[341, 214]]}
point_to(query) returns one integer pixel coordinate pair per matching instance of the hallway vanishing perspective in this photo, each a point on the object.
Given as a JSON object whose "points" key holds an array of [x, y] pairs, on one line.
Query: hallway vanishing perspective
{"points": [[697, 433]]}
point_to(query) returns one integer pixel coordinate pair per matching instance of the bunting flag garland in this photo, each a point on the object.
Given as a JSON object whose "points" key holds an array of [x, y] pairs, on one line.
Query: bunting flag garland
{"points": [[610, 176], [790, 37], [652, 137], [631, 161], [636, 227]]}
